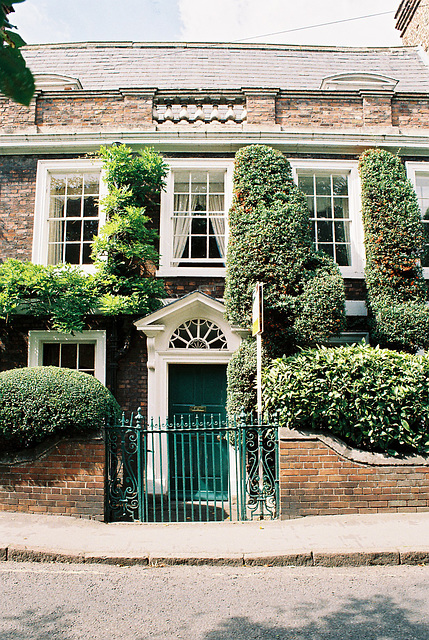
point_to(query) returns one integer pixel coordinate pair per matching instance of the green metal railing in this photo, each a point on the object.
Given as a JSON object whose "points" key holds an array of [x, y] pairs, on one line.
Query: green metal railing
{"points": [[196, 468]]}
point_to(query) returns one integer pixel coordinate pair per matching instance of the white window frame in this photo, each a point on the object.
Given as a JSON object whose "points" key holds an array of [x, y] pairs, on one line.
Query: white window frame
{"points": [[166, 222], [46, 168], [36, 339], [356, 269], [414, 168]]}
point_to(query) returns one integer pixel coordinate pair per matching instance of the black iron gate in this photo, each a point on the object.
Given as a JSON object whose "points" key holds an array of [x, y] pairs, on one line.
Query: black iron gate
{"points": [[194, 469]]}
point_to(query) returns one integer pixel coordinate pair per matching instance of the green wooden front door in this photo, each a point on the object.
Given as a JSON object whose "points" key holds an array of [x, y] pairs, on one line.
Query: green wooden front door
{"points": [[198, 460]]}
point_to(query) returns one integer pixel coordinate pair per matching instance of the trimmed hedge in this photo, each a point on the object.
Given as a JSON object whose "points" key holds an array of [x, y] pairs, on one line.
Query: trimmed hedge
{"points": [[270, 241], [39, 402], [399, 318], [374, 399]]}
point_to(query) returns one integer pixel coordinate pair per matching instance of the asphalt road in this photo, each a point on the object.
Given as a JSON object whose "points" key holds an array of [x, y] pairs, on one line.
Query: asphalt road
{"points": [[78, 602]]}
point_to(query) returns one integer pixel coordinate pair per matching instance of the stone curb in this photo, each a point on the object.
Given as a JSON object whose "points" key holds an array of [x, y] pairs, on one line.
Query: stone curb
{"points": [[18, 553]]}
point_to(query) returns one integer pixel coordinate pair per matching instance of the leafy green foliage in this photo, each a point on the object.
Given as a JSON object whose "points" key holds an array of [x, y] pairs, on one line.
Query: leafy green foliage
{"points": [[393, 246], [124, 254], [141, 174], [241, 379], [16, 80], [39, 402], [374, 399], [61, 293], [270, 242]]}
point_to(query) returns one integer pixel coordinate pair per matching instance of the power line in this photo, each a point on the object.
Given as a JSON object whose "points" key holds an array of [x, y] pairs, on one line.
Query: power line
{"points": [[314, 26]]}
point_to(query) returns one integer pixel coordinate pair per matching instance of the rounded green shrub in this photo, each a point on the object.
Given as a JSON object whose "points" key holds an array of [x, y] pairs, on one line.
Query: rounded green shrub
{"points": [[39, 402], [374, 399]]}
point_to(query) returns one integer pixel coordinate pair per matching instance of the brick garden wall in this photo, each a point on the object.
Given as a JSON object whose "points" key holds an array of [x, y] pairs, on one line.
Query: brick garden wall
{"points": [[321, 476], [66, 479]]}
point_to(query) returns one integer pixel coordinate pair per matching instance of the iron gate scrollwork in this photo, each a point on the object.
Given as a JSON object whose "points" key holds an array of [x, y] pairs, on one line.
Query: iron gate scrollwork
{"points": [[197, 468]]}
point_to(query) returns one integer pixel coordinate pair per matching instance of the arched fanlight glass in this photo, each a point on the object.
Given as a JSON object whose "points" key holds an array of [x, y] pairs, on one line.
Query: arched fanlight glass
{"points": [[198, 334]]}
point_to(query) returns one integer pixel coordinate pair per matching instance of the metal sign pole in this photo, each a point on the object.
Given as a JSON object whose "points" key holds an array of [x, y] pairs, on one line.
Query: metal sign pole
{"points": [[257, 329]]}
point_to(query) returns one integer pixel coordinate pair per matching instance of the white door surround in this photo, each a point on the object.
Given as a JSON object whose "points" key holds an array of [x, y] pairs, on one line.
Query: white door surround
{"points": [[159, 327]]}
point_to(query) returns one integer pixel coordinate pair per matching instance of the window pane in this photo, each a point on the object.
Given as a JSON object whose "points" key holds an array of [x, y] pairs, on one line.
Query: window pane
{"points": [[199, 226], [341, 207], [340, 232], [73, 254], [51, 354], [198, 203], [86, 253], [324, 207], [86, 356], [342, 255], [90, 229], [181, 181], [327, 248], [199, 182], [310, 205], [323, 185], [91, 184], [305, 183], [73, 207], [56, 209], [214, 248], [73, 230], [324, 232], [339, 185], [69, 355], [90, 207], [217, 203], [198, 247], [74, 185], [58, 185], [216, 181]]}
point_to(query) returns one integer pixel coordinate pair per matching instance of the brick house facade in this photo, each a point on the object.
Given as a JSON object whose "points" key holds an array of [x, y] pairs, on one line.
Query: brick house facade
{"points": [[197, 104]]}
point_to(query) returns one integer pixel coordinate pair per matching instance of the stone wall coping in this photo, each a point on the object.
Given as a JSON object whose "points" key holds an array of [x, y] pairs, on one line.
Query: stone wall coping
{"points": [[42, 449], [349, 453]]}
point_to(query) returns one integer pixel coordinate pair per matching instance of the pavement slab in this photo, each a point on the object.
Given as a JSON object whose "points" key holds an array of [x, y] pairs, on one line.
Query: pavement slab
{"points": [[351, 540]]}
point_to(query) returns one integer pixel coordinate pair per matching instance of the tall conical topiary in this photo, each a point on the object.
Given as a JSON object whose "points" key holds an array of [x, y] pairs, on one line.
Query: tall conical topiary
{"points": [[270, 241], [399, 317]]}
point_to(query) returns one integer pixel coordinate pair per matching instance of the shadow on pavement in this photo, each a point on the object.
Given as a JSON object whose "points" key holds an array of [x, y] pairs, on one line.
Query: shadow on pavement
{"points": [[378, 618], [32, 625]]}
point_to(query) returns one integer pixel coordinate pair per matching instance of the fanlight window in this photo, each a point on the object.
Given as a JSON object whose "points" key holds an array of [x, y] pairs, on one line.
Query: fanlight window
{"points": [[198, 334]]}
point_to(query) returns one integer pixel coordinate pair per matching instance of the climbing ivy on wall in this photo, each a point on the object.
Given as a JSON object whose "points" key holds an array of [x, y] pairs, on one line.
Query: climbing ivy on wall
{"points": [[399, 317], [124, 254]]}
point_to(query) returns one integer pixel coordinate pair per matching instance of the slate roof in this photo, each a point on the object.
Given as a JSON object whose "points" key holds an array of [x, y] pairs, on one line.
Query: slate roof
{"points": [[172, 66]]}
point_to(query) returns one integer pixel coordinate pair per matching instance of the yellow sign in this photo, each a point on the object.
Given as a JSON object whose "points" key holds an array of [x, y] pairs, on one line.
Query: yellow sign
{"points": [[257, 310]]}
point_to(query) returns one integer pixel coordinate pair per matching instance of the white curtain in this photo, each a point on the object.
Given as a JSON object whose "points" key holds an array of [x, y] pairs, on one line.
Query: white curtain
{"points": [[216, 204], [181, 226], [56, 227]]}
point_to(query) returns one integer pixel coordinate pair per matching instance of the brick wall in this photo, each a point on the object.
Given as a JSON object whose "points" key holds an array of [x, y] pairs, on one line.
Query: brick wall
{"points": [[412, 112], [66, 479], [377, 109], [321, 476], [95, 109], [319, 111], [179, 286], [17, 194]]}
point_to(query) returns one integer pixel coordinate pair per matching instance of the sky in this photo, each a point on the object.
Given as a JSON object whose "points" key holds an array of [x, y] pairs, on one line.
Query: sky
{"points": [[252, 21]]}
